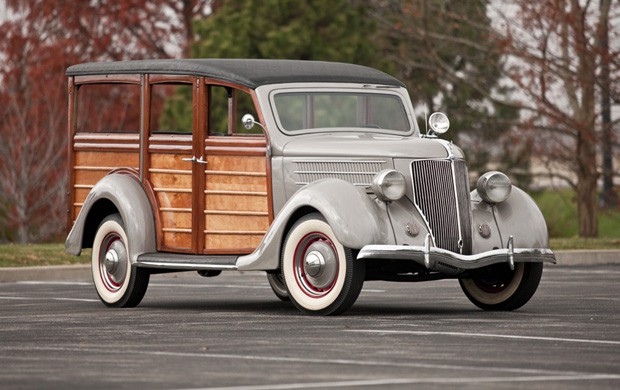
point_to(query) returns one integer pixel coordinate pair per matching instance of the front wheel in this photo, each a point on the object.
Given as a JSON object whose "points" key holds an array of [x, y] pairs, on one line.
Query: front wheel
{"points": [[499, 288], [321, 275], [117, 281]]}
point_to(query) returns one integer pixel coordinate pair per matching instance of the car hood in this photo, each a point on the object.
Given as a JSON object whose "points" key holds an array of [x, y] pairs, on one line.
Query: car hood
{"points": [[368, 145]]}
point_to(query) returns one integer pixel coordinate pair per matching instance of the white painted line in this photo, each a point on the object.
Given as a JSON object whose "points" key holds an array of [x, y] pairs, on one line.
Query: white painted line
{"points": [[306, 360], [48, 299], [406, 381], [184, 285], [490, 335], [56, 283]]}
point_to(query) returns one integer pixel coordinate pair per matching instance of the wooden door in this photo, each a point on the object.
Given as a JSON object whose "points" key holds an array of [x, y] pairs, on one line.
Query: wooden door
{"points": [[174, 174], [237, 210]]}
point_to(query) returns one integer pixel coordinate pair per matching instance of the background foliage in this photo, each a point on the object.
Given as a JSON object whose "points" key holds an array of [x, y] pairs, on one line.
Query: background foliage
{"points": [[520, 80]]}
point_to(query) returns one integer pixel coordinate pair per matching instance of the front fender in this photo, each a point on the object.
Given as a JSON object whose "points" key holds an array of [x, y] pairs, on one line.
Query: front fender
{"points": [[129, 198], [354, 217], [518, 216]]}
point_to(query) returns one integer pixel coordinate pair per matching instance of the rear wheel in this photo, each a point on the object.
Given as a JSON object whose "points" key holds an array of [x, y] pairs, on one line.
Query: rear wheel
{"points": [[499, 288], [321, 275], [276, 281], [117, 281]]}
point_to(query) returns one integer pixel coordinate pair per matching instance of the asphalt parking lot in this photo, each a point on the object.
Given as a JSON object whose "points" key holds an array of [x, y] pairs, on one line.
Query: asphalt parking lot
{"points": [[231, 332]]}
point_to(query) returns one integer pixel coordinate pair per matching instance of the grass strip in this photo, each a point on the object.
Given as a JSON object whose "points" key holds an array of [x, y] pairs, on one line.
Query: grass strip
{"points": [[30, 255]]}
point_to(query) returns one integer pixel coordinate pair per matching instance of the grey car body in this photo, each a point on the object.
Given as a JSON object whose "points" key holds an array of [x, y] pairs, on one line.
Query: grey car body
{"points": [[439, 225]]}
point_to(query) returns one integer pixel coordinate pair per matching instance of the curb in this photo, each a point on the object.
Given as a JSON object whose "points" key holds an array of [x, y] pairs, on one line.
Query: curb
{"points": [[82, 272]]}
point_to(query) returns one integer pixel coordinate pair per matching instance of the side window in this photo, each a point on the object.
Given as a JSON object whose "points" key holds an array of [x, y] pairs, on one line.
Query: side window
{"points": [[226, 108], [171, 109], [108, 108]]}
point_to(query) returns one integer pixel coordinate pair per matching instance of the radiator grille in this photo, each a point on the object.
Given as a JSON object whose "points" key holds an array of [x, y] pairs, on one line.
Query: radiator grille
{"points": [[359, 173], [444, 202]]}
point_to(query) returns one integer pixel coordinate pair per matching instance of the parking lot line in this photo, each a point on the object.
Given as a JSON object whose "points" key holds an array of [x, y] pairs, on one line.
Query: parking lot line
{"points": [[346, 362], [405, 381], [9, 298], [492, 335]]}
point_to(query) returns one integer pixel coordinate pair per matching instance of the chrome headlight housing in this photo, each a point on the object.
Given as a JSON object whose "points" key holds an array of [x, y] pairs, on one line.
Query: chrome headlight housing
{"points": [[439, 122], [494, 187], [388, 185]]}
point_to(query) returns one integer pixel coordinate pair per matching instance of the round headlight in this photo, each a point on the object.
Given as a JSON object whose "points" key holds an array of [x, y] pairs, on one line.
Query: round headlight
{"points": [[388, 185], [494, 187], [439, 122]]}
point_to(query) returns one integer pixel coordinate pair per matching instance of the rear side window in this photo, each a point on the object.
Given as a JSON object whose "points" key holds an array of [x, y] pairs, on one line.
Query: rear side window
{"points": [[171, 109], [108, 108]]}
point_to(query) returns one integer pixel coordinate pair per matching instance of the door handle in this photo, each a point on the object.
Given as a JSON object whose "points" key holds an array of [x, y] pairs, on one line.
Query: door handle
{"points": [[201, 161], [189, 159]]}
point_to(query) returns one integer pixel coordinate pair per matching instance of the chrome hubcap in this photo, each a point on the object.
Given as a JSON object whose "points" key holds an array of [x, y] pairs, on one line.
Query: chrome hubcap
{"points": [[113, 265], [320, 265]]}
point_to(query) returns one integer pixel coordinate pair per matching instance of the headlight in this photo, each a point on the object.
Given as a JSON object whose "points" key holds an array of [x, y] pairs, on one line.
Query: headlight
{"points": [[388, 185], [494, 187], [439, 122]]}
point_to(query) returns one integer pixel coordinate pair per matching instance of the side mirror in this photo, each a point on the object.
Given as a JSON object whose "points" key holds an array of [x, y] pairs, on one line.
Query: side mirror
{"points": [[248, 121]]}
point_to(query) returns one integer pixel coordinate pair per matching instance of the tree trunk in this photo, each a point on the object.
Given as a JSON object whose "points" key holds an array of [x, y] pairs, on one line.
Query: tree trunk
{"points": [[586, 187]]}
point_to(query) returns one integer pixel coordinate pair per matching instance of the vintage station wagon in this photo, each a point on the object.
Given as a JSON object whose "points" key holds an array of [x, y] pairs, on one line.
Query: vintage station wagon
{"points": [[314, 172]]}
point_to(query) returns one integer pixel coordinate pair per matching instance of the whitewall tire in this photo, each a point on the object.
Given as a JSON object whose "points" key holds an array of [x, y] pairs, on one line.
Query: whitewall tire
{"points": [[321, 275], [499, 288], [117, 282]]}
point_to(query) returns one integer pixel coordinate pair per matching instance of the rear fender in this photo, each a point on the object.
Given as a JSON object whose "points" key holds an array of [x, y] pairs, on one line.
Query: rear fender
{"points": [[120, 193]]}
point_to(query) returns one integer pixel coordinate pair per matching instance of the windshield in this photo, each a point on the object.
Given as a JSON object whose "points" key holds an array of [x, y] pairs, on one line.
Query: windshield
{"points": [[310, 110]]}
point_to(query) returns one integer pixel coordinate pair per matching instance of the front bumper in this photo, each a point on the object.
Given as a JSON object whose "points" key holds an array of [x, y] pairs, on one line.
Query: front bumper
{"points": [[441, 260]]}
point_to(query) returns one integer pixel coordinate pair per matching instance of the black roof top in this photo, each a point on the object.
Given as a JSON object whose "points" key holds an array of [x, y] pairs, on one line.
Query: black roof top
{"points": [[248, 72]]}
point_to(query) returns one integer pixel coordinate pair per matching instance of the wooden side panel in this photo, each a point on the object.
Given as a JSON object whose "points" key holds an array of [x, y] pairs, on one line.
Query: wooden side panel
{"points": [[91, 166], [171, 179], [236, 202]]}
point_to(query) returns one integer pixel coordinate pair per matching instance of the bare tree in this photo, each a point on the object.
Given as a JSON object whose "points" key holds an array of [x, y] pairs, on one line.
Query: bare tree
{"points": [[552, 61], [556, 47], [37, 44]]}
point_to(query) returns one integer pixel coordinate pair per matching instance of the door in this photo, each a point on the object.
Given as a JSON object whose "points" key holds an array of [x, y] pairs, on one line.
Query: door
{"points": [[174, 149], [237, 206]]}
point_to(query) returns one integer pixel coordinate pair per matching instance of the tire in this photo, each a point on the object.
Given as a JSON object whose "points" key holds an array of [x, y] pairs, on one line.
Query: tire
{"points": [[498, 288], [276, 281], [117, 281], [322, 277]]}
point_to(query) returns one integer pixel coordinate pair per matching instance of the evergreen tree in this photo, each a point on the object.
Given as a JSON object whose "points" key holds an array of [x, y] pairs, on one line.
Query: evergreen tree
{"points": [[446, 53]]}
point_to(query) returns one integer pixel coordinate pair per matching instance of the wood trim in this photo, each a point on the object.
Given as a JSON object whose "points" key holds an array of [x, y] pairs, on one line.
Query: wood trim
{"points": [[108, 78], [261, 119], [237, 213], [171, 171], [245, 193], [71, 214], [237, 232], [107, 147], [220, 83], [240, 142], [163, 79], [144, 125], [234, 173], [152, 197], [236, 151], [107, 138], [232, 112], [199, 178], [177, 190]]}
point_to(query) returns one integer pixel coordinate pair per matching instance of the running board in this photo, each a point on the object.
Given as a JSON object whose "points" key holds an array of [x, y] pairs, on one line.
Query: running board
{"points": [[187, 262]]}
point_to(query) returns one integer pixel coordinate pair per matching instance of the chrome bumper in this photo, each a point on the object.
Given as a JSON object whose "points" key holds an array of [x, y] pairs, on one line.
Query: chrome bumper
{"points": [[437, 259]]}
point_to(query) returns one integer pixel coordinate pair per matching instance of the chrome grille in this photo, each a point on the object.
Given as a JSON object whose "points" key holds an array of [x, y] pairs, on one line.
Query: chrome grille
{"points": [[441, 193], [359, 173]]}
